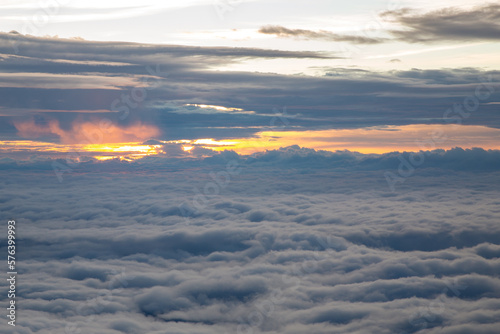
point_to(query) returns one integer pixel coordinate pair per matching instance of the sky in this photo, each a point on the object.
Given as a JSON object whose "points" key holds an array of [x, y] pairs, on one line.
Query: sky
{"points": [[248, 166], [368, 76]]}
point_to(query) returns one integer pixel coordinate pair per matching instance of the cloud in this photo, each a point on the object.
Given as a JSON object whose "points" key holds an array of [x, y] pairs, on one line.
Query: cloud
{"points": [[86, 132], [289, 240], [124, 54], [479, 23], [448, 24], [152, 84], [281, 31], [299, 240]]}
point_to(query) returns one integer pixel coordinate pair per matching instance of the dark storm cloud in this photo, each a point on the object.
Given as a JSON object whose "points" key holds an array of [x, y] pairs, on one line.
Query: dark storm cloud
{"points": [[480, 23], [281, 31]]}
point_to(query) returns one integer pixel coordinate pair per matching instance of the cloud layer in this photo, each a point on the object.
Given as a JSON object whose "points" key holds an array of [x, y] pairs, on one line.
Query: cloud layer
{"points": [[165, 86], [320, 246]]}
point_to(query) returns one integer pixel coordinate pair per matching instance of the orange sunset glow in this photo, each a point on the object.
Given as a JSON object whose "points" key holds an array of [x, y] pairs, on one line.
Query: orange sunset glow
{"points": [[101, 132], [370, 140], [122, 151], [101, 140], [376, 140]]}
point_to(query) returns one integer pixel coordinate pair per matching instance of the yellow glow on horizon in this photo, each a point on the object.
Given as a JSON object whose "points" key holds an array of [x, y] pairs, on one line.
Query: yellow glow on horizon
{"points": [[104, 157], [123, 147], [123, 151], [211, 141], [376, 140]]}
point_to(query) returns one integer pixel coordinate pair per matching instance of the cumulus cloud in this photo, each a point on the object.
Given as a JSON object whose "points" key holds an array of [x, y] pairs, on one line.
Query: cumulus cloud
{"points": [[298, 240]]}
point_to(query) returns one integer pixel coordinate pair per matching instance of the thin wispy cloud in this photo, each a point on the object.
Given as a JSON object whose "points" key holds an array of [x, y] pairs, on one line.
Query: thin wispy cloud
{"points": [[281, 31], [86, 11], [416, 52]]}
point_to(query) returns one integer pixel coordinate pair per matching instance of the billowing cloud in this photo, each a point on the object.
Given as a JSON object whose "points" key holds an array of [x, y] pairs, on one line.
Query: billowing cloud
{"points": [[291, 241]]}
